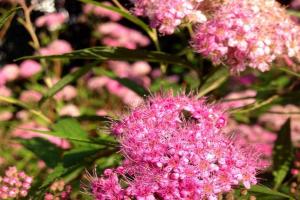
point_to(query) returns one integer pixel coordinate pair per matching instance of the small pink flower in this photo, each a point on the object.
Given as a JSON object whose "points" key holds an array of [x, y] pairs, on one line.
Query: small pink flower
{"points": [[67, 93], [101, 12], [11, 72], [97, 83], [69, 110], [52, 21], [5, 116], [4, 91], [28, 68], [57, 47], [30, 96]]}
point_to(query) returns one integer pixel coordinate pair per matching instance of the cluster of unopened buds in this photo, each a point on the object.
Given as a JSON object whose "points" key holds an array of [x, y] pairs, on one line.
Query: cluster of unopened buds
{"points": [[58, 191], [175, 148], [14, 184]]}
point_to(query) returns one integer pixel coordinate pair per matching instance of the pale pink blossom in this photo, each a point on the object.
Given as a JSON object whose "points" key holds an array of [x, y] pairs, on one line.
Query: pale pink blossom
{"points": [[116, 35], [69, 110], [97, 82], [101, 112], [57, 47], [6, 115], [10, 72], [52, 21], [5, 91], [102, 12], [30, 96], [68, 93], [29, 68]]}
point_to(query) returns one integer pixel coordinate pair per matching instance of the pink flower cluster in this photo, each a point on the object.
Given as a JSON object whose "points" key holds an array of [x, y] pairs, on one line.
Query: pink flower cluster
{"points": [[56, 47], [248, 33], [12, 72], [174, 148], [52, 21], [168, 14], [116, 35], [59, 190], [14, 184]]}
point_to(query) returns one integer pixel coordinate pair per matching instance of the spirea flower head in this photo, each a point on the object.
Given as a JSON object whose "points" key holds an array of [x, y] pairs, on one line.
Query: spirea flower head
{"points": [[166, 15], [174, 148], [248, 33], [14, 184]]}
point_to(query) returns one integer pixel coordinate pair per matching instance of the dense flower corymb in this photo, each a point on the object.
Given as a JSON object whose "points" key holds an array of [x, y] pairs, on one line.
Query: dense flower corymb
{"points": [[14, 184], [248, 33], [166, 15], [174, 148]]}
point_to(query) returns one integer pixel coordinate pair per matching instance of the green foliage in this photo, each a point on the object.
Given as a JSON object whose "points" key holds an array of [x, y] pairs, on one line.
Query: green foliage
{"points": [[283, 154]]}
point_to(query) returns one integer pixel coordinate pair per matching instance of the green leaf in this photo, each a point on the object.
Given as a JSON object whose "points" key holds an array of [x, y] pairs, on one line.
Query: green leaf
{"points": [[7, 15], [283, 154], [260, 189], [116, 53], [214, 81], [69, 128], [290, 72], [79, 155], [65, 81], [44, 150]]}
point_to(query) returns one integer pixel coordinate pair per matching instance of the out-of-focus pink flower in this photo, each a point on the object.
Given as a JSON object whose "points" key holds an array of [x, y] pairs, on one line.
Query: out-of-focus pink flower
{"points": [[140, 68], [30, 96], [295, 4], [69, 110], [101, 12], [6, 115], [57, 47], [255, 135], [14, 184], [170, 156], [29, 68], [101, 112], [257, 32], [23, 115], [52, 21], [68, 93], [24, 131], [278, 116], [4, 91], [10, 72], [96, 83], [117, 35], [239, 99]]}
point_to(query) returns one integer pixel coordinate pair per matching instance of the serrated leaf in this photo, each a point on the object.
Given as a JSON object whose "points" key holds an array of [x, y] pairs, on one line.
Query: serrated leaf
{"points": [[65, 81], [283, 154], [7, 15], [79, 155], [117, 53], [44, 150]]}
